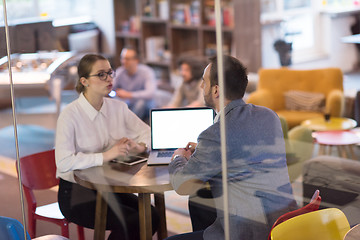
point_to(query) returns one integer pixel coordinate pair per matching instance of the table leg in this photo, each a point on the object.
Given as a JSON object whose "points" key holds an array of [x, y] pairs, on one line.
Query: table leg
{"points": [[342, 151], [100, 215], [145, 216], [321, 149], [351, 149], [329, 149], [160, 206]]}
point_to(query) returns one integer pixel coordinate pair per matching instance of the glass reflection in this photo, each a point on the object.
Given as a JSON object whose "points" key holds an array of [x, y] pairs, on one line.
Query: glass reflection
{"points": [[40, 77]]}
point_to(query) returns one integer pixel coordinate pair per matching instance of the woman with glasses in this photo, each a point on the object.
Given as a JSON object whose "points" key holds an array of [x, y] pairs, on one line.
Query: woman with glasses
{"points": [[92, 130]]}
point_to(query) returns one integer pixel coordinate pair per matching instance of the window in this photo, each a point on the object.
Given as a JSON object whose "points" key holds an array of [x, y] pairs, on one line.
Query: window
{"points": [[300, 25], [53, 9]]}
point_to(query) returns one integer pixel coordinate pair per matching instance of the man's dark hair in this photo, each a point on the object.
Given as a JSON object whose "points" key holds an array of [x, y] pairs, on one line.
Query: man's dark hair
{"points": [[132, 48], [196, 65], [235, 76]]}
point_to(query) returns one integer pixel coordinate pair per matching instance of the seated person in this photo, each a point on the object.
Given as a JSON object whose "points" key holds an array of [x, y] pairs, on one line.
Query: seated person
{"points": [[259, 189], [189, 93], [135, 83], [91, 131]]}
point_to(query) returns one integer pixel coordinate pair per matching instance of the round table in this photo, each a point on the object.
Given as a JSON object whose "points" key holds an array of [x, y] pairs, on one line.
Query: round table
{"points": [[340, 139], [334, 123], [120, 178]]}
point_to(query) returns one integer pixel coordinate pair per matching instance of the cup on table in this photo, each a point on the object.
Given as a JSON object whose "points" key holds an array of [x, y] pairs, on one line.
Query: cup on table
{"points": [[327, 117]]}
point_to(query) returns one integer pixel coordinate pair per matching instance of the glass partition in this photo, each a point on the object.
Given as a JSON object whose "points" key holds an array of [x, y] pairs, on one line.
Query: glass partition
{"points": [[237, 178]]}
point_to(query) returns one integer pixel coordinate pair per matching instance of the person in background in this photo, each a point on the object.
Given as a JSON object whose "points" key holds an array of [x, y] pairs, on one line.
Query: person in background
{"points": [[135, 83], [189, 93], [259, 189], [91, 131]]}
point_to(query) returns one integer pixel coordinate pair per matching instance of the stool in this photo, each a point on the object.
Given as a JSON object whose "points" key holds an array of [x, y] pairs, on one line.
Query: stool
{"points": [[340, 139]]}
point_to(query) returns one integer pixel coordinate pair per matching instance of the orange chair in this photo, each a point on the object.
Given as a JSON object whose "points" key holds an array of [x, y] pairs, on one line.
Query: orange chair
{"points": [[312, 206], [38, 172]]}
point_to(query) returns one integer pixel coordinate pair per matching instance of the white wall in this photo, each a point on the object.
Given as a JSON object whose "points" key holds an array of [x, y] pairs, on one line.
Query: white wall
{"points": [[336, 54], [269, 34], [339, 54], [104, 18]]}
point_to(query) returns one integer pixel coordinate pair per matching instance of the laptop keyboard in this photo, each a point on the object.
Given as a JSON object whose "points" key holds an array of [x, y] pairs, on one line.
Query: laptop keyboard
{"points": [[165, 154]]}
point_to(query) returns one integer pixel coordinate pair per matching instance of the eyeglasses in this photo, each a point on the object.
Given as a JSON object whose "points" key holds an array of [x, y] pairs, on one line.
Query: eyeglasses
{"points": [[104, 75]]}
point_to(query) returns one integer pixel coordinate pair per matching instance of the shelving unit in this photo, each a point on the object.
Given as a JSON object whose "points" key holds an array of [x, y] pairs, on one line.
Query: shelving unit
{"points": [[164, 30]]}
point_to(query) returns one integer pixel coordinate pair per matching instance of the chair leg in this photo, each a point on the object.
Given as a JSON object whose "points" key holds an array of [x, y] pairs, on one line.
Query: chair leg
{"points": [[31, 226], [80, 230], [65, 229]]}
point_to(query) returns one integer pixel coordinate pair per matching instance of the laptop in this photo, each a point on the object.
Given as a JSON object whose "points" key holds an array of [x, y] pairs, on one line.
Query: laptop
{"points": [[173, 128]]}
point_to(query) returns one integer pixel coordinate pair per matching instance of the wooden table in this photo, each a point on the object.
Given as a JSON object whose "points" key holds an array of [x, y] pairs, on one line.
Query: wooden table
{"points": [[119, 178], [335, 123], [341, 139]]}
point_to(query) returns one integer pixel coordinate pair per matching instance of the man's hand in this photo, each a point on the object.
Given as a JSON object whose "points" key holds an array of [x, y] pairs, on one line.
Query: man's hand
{"points": [[182, 152], [191, 146], [121, 93]]}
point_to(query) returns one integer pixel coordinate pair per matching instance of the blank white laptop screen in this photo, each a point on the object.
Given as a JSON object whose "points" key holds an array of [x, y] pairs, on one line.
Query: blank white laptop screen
{"points": [[174, 128]]}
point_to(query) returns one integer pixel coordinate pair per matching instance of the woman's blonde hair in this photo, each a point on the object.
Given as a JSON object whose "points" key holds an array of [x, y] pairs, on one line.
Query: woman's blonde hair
{"points": [[84, 68]]}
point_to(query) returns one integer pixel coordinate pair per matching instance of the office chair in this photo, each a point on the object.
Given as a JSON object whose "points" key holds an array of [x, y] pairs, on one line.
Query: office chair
{"points": [[38, 172], [312, 206], [325, 224]]}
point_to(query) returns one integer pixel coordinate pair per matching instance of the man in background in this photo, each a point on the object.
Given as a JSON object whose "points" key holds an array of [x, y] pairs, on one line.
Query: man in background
{"points": [[135, 83]]}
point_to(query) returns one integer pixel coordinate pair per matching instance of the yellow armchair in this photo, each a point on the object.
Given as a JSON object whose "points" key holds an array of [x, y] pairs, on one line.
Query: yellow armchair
{"points": [[273, 83]]}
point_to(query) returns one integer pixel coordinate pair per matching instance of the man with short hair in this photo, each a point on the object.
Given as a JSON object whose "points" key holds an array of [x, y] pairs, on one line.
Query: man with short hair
{"points": [[259, 189], [135, 83]]}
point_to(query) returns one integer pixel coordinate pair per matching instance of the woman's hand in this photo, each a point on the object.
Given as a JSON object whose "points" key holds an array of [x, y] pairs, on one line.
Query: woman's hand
{"points": [[121, 148], [136, 148]]}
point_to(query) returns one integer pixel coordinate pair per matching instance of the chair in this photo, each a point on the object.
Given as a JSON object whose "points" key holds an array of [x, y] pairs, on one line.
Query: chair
{"points": [[275, 86], [299, 147], [325, 224], [353, 233], [38, 172], [357, 108], [338, 180], [312, 206], [12, 229]]}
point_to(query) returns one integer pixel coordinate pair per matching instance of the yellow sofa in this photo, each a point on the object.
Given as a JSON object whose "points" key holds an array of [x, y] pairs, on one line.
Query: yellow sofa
{"points": [[273, 83]]}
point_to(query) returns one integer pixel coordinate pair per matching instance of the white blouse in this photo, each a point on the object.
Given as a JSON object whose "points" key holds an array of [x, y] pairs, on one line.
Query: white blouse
{"points": [[83, 133]]}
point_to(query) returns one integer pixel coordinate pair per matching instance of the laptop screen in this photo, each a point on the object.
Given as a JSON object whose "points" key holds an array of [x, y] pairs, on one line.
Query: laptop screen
{"points": [[173, 128]]}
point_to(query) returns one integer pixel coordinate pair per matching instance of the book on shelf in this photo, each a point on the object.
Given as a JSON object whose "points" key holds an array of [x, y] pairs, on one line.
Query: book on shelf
{"points": [[163, 9], [186, 13], [227, 14], [155, 47], [210, 49], [132, 25]]}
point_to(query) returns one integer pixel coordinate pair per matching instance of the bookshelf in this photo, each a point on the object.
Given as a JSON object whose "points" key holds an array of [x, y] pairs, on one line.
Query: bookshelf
{"points": [[164, 30]]}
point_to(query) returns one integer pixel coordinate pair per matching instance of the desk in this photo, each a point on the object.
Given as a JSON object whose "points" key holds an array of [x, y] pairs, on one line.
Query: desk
{"points": [[335, 123], [118, 178]]}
